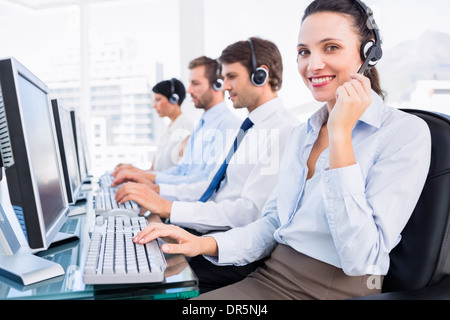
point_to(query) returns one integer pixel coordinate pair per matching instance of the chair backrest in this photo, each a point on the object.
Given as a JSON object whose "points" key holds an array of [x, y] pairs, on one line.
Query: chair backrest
{"points": [[422, 258]]}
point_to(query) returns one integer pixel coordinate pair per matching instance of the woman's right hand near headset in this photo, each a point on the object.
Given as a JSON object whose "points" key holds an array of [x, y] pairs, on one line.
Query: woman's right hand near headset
{"points": [[352, 100]]}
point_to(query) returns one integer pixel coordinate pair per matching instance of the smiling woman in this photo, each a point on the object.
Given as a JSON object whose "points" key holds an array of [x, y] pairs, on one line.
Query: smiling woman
{"points": [[325, 62], [345, 189], [324, 65]]}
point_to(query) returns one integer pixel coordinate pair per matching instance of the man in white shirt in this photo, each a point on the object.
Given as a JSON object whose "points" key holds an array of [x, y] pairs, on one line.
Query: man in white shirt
{"points": [[206, 143], [252, 73]]}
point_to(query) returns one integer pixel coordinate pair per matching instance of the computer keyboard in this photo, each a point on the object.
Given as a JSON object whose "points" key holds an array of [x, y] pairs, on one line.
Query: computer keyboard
{"points": [[104, 200], [105, 180], [114, 258]]}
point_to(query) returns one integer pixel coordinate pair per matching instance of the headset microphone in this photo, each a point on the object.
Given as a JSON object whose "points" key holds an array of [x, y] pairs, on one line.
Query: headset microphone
{"points": [[370, 51]]}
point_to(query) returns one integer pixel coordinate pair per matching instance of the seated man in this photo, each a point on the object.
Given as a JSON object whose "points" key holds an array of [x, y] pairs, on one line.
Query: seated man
{"points": [[233, 196], [207, 141]]}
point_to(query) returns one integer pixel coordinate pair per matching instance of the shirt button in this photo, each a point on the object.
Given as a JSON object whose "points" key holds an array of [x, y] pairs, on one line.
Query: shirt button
{"points": [[328, 190]]}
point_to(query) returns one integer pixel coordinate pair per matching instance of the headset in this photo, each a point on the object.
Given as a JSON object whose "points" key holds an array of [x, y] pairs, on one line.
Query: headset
{"points": [[259, 75], [370, 51], [218, 84], [174, 97]]}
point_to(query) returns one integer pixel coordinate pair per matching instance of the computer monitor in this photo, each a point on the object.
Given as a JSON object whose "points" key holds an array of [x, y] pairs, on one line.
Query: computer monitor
{"points": [[81, 147], [67, 150], [30, 155]]}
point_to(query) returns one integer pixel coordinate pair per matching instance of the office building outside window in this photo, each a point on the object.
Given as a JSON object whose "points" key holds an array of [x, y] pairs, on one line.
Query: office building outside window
{"points": [[121, 111]]}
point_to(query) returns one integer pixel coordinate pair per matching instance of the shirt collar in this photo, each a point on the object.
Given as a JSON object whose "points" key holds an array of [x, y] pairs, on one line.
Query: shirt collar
{"points": [[215, 112], [265, 110], [372, 116], [175, 123], [318, 118]]}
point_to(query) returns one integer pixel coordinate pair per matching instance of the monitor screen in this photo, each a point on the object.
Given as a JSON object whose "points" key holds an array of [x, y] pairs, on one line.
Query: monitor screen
{"points": [[34, 173], [67, 149], [80, 143], [41, 144]]}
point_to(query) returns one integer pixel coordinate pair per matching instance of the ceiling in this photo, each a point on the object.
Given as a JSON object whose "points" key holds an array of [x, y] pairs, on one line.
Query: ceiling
{"points": [[46, 4]]}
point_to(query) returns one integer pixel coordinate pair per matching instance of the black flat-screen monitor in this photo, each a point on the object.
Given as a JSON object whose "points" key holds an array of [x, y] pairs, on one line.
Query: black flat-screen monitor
{"points": [[81, 147], [67, 150], [30, 154]]}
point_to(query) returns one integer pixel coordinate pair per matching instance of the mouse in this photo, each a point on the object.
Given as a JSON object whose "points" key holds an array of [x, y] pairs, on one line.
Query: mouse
{"points": [[120, 212]]}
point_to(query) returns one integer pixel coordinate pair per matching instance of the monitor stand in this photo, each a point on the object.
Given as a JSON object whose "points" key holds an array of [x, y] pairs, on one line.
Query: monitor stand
{"points": [[27, 268], [17, 261], [63, 238]]}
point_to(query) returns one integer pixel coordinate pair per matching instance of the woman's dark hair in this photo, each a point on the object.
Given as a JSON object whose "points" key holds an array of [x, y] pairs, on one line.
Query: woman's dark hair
{"points": [[266, 53], [352, 9], [165, 88]]}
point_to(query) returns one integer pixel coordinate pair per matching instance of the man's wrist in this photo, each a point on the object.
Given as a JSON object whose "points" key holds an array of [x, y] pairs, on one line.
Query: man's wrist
{"points": [[167, 209], [209, 246]]}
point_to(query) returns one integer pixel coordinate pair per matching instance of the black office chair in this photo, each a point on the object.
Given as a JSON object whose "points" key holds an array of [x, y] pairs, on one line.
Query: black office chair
{"points": [[420, 263]]}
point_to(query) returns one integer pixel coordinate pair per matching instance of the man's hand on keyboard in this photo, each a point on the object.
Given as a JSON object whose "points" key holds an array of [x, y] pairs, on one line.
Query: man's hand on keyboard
{"points": [[179, 240], [128, 168], [145, 196], [124, 166], [127, 176]]}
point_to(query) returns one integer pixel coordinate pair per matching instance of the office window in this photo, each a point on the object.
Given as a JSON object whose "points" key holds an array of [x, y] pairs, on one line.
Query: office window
{"points": [[103, 57]]}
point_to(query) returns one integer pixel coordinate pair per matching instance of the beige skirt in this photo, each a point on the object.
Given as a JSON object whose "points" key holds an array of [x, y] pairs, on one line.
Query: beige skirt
{"points": [[288, 274]]}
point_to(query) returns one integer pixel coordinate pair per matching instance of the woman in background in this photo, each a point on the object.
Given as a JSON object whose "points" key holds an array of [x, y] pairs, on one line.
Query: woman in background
{"points": [[168, 98]]}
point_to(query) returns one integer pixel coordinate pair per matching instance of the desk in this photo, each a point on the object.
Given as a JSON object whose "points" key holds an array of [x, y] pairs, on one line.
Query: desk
{"points": [[180, 281]]}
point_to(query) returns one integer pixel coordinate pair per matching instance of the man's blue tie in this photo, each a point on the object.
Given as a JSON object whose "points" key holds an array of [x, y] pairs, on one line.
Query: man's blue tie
{"points": [[215, 183]]}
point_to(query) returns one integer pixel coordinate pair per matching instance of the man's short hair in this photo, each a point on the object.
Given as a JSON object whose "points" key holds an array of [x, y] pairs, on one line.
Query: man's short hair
{"points": [[266, 53], [211, 66]]}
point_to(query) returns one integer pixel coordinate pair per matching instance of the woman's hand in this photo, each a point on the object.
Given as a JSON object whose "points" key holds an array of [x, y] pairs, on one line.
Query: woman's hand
{"points": [[352, 100], [179, 240]]}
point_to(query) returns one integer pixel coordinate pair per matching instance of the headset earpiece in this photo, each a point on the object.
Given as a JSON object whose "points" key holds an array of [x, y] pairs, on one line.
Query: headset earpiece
{"points": [[259, 75], [370, 50], [365, 49], [174, 97], [218, 84]]}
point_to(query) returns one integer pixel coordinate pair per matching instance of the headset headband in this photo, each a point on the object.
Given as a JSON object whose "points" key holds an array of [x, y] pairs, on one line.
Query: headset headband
{"points": [[252, 48], [371, 51], [371, 24]]}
